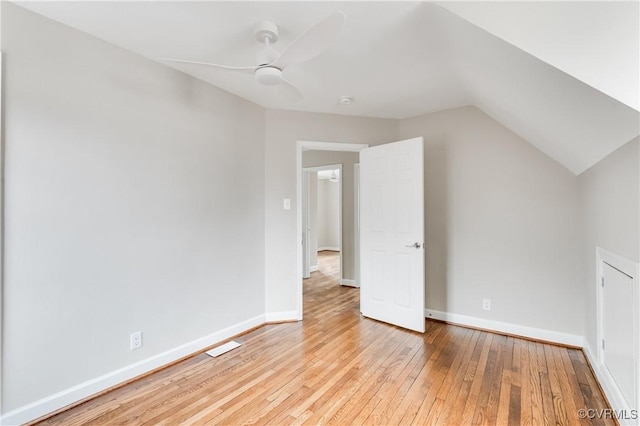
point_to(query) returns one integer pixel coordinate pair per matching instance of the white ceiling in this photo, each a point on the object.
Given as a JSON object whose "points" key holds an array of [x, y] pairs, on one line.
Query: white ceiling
{"points": [[402, 59], [596, 42], [328, 174]]}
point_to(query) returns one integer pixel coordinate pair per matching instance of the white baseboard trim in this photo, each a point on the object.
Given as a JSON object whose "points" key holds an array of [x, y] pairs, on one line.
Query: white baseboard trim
{"points": [[281, 316], [328, 248], [313, 268], [504, 327], [350, 283], [611, 390], [91, 387]]}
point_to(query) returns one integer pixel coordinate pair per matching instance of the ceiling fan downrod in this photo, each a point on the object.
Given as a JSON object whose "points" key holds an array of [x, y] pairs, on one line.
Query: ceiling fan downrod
{"points": [[267, 32]]}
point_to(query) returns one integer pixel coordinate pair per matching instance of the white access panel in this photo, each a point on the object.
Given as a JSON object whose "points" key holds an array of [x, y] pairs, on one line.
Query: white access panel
{"points": [[618, 350]]}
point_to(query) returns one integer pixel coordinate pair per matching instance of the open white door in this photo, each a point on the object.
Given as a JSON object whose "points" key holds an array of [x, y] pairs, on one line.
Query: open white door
{"points": [[392, 233]]}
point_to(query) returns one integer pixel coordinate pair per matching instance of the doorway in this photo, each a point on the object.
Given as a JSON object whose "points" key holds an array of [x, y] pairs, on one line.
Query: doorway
{"points": [[321, 214], [347, 242], [391, 233]]}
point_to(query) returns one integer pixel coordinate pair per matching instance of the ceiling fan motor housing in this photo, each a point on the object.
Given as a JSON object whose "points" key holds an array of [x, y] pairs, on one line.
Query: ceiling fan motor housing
{"points": [[266, 30], [269, 76]]}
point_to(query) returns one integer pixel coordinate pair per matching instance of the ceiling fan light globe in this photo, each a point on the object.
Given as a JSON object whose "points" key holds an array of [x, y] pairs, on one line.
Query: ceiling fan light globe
{"points": [[269, 76]]}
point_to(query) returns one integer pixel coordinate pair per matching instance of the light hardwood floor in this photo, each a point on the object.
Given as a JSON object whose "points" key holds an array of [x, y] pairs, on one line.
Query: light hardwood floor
{"points": [[336, 367]]}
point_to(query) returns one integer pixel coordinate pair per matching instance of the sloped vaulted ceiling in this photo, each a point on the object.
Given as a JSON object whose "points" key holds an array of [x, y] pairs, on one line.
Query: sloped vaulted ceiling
{"points": [[596, 42], [569, 120], [563, 76]]}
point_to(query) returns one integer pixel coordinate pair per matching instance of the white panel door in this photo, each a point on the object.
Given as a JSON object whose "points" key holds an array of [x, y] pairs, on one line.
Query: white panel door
{"points": [[392, 233], [618, 330]]}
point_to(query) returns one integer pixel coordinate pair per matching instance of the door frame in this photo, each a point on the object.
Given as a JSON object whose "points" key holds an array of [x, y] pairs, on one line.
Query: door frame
{"points": [[305, 211], [356, 222], [310, 146], [306, 218], [2, 213]]}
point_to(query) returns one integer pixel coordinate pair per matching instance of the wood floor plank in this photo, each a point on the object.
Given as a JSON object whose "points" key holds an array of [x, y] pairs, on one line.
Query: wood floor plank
{"points": [[576, 393], [474, 392], [559, 409], [526, 413], [455, 381], [502, 416], [338, 368], [409, 376], [547, 400], [402, 363], [564, 378], [495, 380], [514, 405], [536, 368], [424, 381], [354, 407], [319, 393], [449, 364]]}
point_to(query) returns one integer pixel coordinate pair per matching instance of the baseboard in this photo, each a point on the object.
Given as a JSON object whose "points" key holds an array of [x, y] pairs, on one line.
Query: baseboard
{"points": [[350, 283], [92, 387], [328, 248], [588, 352], [313, 268], [507, 328], [287, 316], [609, 388]]}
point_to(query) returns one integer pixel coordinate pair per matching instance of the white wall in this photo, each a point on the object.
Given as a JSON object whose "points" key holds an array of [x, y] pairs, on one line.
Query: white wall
{"points": [[328, 214], [131, 192], [501, 223], [610, 196], [283, 129]]}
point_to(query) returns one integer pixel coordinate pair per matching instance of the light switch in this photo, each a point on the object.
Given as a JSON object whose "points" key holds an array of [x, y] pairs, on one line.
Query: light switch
{"points": [[287, 204]]}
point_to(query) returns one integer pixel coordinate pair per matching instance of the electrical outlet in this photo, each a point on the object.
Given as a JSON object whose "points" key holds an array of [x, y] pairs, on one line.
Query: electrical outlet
{"points": [[136, 340], [486, 304]]}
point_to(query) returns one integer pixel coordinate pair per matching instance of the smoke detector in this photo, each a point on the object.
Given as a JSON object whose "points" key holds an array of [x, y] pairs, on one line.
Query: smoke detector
{"points": [[345, 100]]}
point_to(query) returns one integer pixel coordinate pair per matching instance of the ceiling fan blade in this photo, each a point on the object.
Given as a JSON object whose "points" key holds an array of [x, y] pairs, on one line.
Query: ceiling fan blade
{"points": [[210, 64], [288, 91], [312, 42]]}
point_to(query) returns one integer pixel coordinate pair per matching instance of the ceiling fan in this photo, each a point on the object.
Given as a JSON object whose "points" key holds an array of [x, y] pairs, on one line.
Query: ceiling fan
{"points": [[271, 63]]}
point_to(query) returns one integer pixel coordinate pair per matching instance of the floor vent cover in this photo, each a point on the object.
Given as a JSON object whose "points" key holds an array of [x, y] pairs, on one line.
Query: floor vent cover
{"points": [[222, 349]]}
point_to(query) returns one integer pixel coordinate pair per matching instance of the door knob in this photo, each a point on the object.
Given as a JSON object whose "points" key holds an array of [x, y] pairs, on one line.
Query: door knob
{"points": [[415, 245]]}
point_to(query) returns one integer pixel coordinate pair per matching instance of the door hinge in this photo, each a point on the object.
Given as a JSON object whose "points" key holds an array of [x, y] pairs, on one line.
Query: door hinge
{"points": [[602, 281], [603, 344]]}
